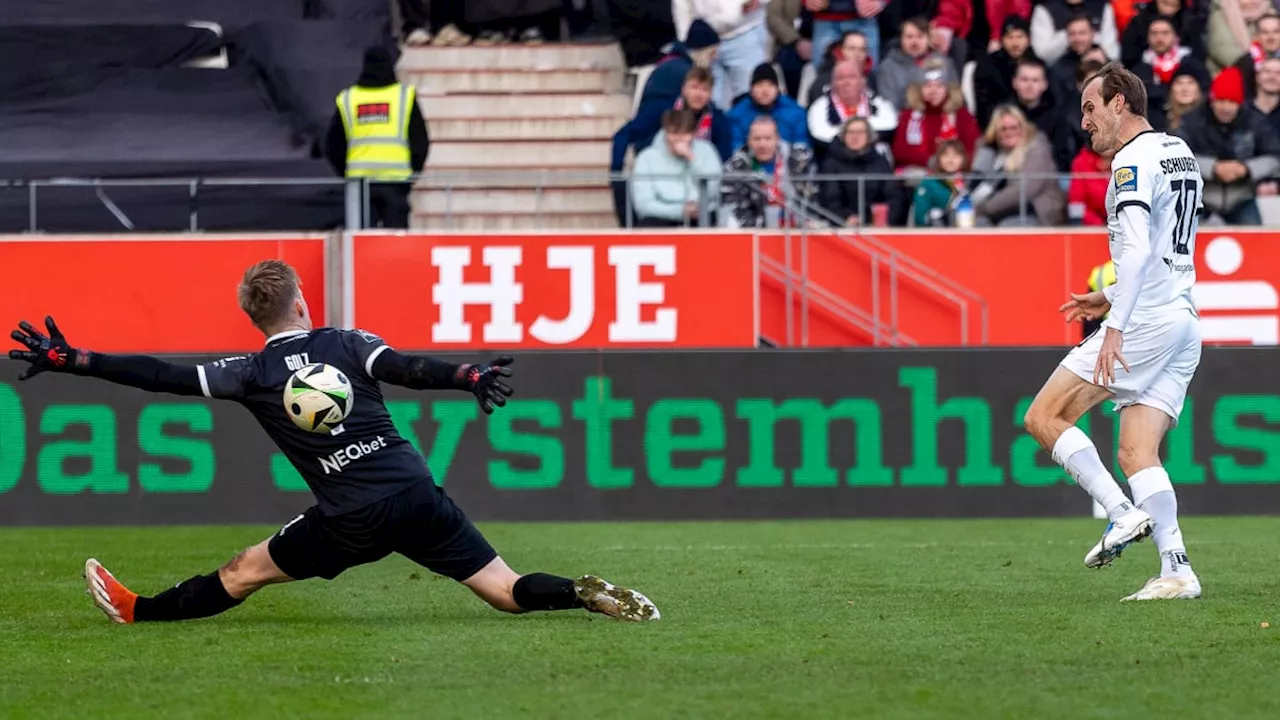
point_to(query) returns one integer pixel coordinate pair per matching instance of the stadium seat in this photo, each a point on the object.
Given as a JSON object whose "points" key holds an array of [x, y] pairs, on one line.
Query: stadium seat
{"points": [[966, 85], [807, 78]]}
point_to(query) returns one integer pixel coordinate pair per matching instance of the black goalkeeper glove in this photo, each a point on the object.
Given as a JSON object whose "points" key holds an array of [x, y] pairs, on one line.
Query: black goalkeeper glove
{"points": [[485, 382], [46, 352]]}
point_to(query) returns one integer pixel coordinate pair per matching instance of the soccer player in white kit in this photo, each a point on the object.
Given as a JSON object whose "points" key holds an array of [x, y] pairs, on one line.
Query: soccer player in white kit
{"points": [[1146, 352]]}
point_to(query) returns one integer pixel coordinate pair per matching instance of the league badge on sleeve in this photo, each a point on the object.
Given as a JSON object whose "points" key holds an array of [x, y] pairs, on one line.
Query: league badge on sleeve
{"points": [[1127, 179]]}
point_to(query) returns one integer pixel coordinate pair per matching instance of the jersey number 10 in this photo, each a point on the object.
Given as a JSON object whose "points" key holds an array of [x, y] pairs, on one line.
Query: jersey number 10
{"points": [[1185, 209]]}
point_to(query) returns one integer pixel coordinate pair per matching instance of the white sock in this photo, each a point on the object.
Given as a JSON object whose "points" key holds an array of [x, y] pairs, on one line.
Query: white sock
{"points": [[1076, 453], [1153, 492]]}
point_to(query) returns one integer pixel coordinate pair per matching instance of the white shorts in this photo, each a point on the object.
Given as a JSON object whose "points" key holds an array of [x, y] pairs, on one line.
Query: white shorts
{"points": [[1163, 356]]}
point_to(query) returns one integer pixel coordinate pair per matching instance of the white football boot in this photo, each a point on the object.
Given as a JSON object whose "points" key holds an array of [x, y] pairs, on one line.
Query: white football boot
{"points": [[1130, 527], [1168, 588], [601, 596]]}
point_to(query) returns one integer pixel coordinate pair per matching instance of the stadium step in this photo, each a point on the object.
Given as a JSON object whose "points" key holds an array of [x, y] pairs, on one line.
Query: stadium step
{"points": [[517, 106], [543, 221], [548, 128], [451, 202], [472, 57], [520, 135], [522, 81], [537, 154]]}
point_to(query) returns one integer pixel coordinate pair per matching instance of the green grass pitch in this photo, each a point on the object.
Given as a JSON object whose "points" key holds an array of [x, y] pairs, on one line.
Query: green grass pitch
{"points": [[878, 619]]}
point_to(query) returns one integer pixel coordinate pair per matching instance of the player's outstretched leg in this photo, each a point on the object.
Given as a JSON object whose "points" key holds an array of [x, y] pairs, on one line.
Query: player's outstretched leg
{"points": [[1142, 428], [505, 590], [197, 597], [1051, 421]]}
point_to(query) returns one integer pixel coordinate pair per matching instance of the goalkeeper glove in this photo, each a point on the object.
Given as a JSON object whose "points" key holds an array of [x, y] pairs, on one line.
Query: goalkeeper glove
{"points": [[46, 352], [485, 382]]}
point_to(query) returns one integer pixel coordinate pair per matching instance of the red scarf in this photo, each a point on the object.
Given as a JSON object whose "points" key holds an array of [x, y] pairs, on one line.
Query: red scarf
{"points": [[1259, 55], [704, 121], [773, 186], [844, 112], [915, 128], [1163, 66]]}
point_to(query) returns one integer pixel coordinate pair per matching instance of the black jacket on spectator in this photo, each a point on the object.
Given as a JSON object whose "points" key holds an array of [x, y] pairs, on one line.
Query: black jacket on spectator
{"points": [[1272, 118], [1070, 137], [993, 82], [1249, 138], [1191, 22], [642, 27], [1158, 93], [1053, 118], [841, 197], [666, 82], [1062, 76]]}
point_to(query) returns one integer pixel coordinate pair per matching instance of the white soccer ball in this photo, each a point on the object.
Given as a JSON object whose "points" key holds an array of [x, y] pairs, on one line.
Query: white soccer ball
{"points": [[318, 397]]}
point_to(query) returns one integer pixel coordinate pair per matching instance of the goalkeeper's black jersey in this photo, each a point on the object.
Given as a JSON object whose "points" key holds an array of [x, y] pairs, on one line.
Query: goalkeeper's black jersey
{"points": [[361, 461]]}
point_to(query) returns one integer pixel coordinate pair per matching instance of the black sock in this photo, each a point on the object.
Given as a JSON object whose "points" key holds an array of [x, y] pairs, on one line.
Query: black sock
{"points": [[540, 591], [199, 597]]}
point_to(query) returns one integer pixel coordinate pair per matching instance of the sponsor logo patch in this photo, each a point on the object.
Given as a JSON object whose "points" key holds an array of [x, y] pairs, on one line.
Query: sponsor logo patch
{"points": [[1127, 179]]}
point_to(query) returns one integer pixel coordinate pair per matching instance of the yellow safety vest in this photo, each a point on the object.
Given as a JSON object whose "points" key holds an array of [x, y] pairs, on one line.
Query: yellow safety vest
{"points": [[377, 124], [1103, 276]]}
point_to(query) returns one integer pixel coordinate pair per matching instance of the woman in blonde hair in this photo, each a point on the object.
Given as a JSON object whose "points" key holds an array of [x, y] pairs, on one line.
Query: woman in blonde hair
{"points": [[935, 112], [1019, 183]]}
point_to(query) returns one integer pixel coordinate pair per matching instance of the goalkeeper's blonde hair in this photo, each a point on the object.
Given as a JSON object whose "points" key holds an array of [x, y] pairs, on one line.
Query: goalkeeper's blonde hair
{"points": [[267, 292]]}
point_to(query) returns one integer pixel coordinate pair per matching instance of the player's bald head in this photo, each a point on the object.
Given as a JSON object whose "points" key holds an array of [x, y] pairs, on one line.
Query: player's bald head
{"points": [[267, 293], [1114, 80]]}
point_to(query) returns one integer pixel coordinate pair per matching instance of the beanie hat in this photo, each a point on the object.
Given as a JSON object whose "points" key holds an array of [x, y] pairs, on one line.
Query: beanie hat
{"points": [[934, 68], [764, 72], [1014, 22], [1229, 85], [701, 36]]}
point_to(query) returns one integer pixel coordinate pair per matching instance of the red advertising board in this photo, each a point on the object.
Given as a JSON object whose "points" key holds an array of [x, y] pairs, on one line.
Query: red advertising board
{"points": [[1022, 277], [538, 290], [149, 294]]}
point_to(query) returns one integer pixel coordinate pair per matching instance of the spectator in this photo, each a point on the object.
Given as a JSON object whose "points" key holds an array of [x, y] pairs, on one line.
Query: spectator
{"points": [[766, 99], [668, 183], [791, 27], [1266, 44], [783, 172], [1189, 18], [854, 153], [667, 80], [852, 47], [1019, 186], [1185, 95], [1229, 37], [639, 132], [1163, 57], [643, 28], [935, 114], [1081, 44], [1266, 102], [740, 25], [849, 97], [1074, 137], [993, 78], [834, 18], [1087, 193], [955, 20], [900, 66], [1124, 11], [377, 133], [948, 27], [1049, 26], [1237, 150], [1035, 99], [937, 195]]}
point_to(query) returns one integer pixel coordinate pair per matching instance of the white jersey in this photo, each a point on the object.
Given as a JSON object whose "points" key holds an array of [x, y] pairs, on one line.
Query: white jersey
{"points": [[1153, 201]]}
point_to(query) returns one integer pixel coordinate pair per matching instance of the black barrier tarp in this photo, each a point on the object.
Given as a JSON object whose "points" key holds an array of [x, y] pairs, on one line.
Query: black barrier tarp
{"points": [[666, 436], [230, 13], [305, 64]]}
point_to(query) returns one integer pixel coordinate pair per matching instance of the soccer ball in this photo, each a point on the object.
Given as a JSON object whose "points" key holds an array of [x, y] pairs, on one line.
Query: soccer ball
{"points": [[318, 397]]}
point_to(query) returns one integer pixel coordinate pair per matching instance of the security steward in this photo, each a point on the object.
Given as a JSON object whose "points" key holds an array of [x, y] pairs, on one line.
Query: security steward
{"points": [[378, 133], [1102, 276]]}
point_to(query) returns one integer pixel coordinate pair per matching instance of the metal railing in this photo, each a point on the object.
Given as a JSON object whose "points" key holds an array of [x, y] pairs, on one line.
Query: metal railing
{"points": [[450, 185]]}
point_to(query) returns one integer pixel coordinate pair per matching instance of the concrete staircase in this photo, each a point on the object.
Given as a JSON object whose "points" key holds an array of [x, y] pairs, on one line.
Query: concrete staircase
{"points": [[520, 135]]}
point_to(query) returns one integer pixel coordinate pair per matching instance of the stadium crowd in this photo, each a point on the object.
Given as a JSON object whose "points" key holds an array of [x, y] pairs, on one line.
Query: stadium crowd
{"points": [[930, 112]]}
